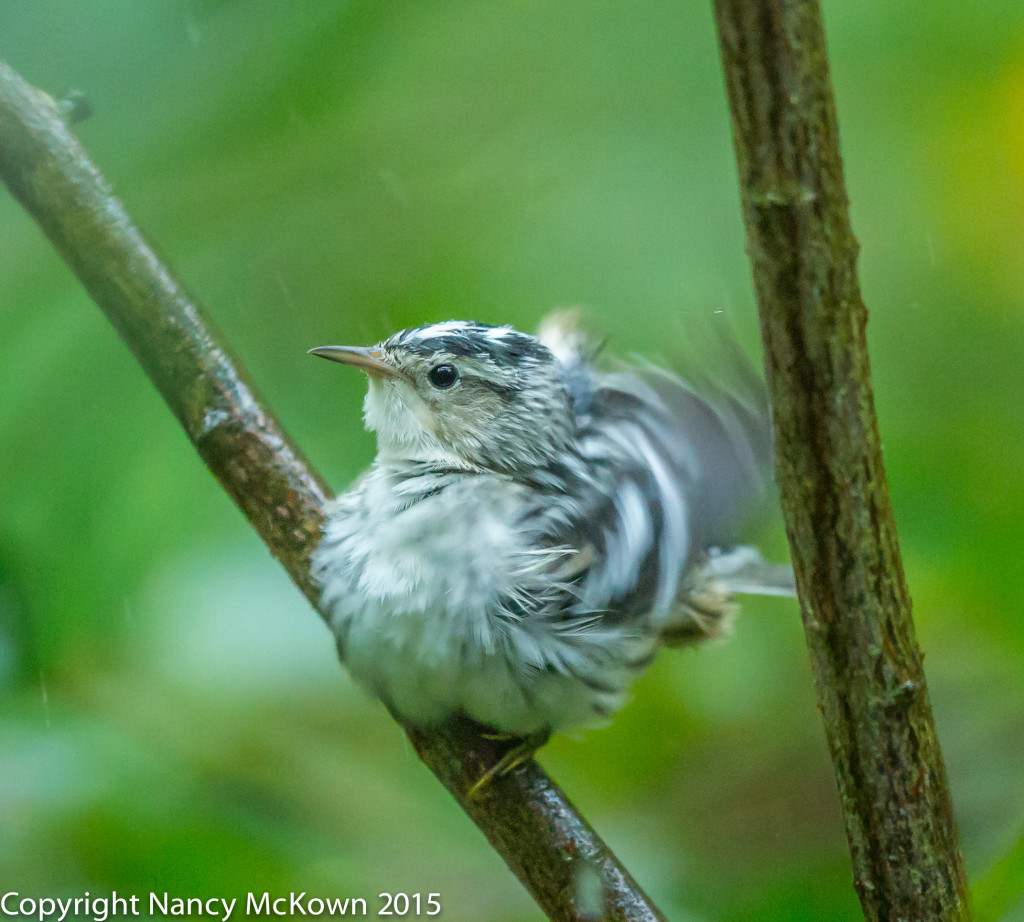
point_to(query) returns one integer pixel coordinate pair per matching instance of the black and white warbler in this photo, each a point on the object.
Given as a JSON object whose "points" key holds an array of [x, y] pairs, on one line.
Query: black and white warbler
{"points": [[533, 530]]}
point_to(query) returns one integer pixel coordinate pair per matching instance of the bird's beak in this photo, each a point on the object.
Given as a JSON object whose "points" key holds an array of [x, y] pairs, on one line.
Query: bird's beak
{"points": [[370, 359]]}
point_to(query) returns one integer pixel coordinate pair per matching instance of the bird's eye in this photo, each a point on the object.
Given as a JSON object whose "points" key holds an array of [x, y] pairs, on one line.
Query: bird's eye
{"points": [[443, 376]]}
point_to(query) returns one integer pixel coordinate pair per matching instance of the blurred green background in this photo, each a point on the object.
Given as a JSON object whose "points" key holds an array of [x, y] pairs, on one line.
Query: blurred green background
{"points": [[171, 713]]}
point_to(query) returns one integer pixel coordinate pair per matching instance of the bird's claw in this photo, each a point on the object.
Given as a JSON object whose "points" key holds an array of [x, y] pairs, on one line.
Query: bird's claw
{"points": [[520, 753]]}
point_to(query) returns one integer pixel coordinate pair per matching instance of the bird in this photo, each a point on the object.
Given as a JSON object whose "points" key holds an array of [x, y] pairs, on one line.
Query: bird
{"points": [[535, 527]]}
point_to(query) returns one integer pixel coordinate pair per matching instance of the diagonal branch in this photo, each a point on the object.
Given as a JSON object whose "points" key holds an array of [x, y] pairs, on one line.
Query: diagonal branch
{"points": [[526, 817], [854, 599]]}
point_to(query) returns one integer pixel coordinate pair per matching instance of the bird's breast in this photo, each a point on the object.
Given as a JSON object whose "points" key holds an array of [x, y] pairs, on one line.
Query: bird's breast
{"points": [[412, 554], [418, 593], [411, 582]]}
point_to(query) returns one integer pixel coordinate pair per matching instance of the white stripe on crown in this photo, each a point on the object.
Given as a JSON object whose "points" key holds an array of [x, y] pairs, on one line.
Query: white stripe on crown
{"points": [[449, 327]]}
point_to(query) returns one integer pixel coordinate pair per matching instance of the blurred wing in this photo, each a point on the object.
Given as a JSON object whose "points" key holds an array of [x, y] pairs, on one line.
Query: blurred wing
{"points": [[665, 471]]}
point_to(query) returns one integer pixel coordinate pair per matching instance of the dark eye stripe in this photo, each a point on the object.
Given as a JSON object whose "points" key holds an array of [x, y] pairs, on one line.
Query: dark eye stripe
{"points": [[503, 391]]}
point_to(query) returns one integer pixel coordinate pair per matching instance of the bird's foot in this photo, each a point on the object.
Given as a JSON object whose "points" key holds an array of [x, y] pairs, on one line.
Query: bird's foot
{"points": [[522, 751], [501, 736]]}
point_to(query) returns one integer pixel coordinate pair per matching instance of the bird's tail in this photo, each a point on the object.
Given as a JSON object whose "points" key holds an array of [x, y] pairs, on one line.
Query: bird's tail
{"points": [[708, 609], [741, 570]]}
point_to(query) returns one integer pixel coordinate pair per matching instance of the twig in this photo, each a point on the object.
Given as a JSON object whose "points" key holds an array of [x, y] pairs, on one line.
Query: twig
{"points": [[526, 817], [854, 600]]}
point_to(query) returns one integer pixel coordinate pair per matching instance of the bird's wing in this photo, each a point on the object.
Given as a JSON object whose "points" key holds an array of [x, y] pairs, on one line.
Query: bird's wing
{"points": [[664, 471]]}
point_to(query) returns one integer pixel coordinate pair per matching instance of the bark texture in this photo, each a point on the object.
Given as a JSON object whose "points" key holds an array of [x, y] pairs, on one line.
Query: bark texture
{"points": [[526, 817], [854, 599]]}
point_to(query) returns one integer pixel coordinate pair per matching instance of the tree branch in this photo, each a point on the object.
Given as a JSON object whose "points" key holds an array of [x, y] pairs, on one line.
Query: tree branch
{"points": [[854, 599], [526, 817]]}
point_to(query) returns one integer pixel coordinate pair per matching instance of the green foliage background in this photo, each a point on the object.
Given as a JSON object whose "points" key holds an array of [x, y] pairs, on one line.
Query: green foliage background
{"points": [[171, 713]]}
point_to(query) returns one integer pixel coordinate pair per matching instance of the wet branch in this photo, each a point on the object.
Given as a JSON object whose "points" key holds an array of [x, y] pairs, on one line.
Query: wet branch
{"points": [[854, 599], [526, 817]]}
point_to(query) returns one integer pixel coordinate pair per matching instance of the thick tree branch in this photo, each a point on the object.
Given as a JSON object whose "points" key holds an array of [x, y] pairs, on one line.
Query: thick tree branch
{"points": [[854, 600], [526, 817]]}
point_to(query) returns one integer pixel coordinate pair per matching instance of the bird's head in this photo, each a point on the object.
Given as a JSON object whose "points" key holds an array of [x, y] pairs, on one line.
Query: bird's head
{"points": [[463, 395]]}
